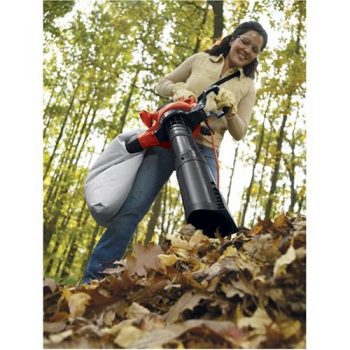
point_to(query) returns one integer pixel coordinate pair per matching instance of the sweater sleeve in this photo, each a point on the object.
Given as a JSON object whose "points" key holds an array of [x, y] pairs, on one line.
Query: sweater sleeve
{"points": [[237, 124], [166, 85]]}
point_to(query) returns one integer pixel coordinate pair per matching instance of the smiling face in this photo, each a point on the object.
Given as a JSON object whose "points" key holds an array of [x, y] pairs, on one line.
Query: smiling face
{"points": [[244, 49]]}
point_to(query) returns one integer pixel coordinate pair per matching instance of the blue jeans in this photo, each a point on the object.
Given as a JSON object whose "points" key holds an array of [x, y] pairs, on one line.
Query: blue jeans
{"points": [[208, 154], [155, 169]]}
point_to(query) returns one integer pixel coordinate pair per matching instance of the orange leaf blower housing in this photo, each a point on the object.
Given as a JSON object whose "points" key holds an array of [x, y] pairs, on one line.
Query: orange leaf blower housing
{"points": [[156, 134]]}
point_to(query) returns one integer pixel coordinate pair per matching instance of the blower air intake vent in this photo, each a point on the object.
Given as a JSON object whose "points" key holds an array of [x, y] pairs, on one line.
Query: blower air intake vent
{"points": [[204, 206]]}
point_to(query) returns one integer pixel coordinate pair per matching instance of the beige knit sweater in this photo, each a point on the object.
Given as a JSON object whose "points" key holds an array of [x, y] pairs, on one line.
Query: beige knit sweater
{"points": [[200, 71]]}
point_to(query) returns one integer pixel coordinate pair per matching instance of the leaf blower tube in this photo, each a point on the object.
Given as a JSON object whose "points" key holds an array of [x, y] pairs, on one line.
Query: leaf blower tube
{"points": [[204, 205]]}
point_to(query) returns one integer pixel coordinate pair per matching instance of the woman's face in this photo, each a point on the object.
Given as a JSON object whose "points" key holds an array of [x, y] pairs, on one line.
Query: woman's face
{"points": [[244, 49]]}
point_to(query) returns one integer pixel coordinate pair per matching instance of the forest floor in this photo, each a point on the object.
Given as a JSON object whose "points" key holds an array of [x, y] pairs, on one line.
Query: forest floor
{"points": [[245, 291]]}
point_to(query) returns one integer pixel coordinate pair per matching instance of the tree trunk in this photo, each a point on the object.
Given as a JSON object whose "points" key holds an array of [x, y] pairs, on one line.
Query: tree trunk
{"points": [[261, 182], [199, 38], [218, 9], [64, 255], [290, 166], [70, 258], [241, 223], [231, 175], [275, 173], [123, 116], [53, 154], [257, 158]]}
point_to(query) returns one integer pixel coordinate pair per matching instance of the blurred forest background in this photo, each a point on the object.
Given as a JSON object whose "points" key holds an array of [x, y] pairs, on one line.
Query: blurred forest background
{"points": [[102, 61]]}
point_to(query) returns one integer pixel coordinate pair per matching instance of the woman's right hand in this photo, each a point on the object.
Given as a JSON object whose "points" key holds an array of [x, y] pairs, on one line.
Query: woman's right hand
{"points": [[181, 93]]}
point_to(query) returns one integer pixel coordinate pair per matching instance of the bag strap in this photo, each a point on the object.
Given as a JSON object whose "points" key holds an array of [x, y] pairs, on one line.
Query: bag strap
{"points": [[223, 80]]}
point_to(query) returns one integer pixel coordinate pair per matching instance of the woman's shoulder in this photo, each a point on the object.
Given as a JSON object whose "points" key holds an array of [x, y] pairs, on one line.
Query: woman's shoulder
{"points": [[248, 81], [204, 59], [201, 55]]}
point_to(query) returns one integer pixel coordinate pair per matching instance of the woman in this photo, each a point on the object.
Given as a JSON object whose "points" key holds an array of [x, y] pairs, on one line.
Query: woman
{"points": [[236, 52]]}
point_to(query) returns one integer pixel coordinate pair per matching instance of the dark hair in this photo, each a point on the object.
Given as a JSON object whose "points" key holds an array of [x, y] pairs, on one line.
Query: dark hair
{"points": [[224, 46]]}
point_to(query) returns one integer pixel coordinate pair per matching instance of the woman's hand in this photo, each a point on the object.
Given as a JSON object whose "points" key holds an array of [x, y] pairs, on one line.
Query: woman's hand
{"points": [[181, 93], [226, 98]]}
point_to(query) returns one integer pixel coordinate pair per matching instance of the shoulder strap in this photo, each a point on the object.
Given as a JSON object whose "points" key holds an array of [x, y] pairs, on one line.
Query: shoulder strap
{"points": [[223, 80]]}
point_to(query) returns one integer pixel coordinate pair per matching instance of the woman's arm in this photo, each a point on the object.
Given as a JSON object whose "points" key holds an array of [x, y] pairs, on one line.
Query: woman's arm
{"points": [[237, 123], [168, 83]]}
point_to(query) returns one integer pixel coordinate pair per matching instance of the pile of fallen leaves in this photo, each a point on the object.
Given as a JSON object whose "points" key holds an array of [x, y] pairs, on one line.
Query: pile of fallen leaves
{"points": [[245, 291]]}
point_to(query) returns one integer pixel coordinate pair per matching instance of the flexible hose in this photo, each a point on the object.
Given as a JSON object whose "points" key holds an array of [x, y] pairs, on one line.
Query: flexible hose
{"points": [[215, 154]]}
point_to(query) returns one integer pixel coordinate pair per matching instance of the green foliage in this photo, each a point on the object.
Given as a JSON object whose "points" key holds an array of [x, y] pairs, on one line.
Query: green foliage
{"points": [[53, 10]]}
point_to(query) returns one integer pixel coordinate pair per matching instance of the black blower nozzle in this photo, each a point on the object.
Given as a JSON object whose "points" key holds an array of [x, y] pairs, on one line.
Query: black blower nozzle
{"points": [[204, 206]]}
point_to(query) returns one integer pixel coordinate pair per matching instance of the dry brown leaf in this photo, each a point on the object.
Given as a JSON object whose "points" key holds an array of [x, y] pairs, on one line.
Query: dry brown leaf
{"points": [[54, 327], [262, 248], [187, 302], [181, 253], [89, 330], [143, 259], [197, 239], [281, 223], [158, 337], [136, 311], [50, 284], [187, 230], [177, 242], [259, 320], [256, 230], [59, 316], [59, 337], [230, 290], [261, 227]]}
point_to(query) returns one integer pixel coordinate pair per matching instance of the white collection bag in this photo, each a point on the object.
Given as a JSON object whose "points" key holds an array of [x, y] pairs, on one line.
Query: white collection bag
{"points": [[111, 177]]}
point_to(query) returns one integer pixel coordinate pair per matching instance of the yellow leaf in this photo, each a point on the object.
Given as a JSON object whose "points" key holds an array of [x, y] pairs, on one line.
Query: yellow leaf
{"points": [[290, 328], [127, 336], [229, 251], [284, 260], [77, 304], [197, 238], [167, 260], [182, 253], [109, 317], [177, 242], [259, 320], [66, 292]]}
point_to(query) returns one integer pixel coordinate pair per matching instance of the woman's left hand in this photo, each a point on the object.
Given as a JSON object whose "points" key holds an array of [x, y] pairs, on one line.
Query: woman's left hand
{"points": [[225, 98]]}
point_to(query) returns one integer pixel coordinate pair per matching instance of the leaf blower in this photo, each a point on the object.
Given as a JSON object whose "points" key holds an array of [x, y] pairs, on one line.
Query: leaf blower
{"points": [[177, 125]]}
